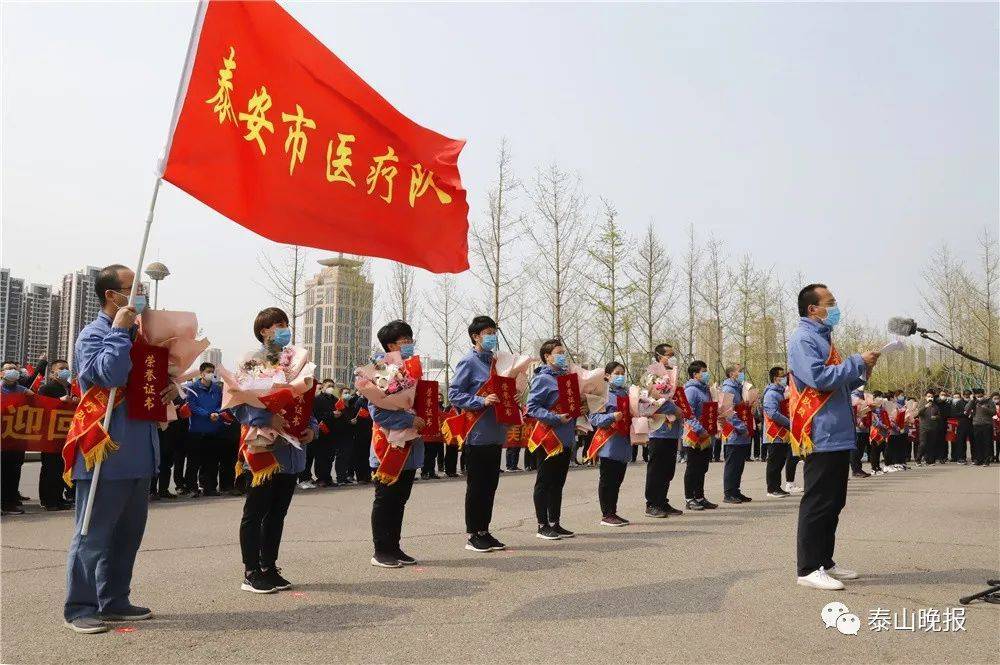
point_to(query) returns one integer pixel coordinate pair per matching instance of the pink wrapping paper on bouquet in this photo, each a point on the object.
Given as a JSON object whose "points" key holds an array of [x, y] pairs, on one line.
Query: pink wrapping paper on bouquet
{"points": [[660, 381], [644, 416], [178, 333], [387, 385], [255, 379], [750, 394], [515, 366], [911, 407]]}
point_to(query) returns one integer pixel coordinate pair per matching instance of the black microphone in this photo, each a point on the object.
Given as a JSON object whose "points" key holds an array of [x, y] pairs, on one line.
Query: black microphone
{"points": [[899, 325]]}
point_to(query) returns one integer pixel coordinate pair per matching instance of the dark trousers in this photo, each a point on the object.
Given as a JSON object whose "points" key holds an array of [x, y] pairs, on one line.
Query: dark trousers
{"points": [[874, 456], [549, 484], [50, 482], [660, 471], [717, 449], [481, 479], [860, 447], [777, 453], [790, 465], [960, 447], [180, 459], [361, 468], [11, 462], [342, 457], [942, 447], [895, 450], [982, 443], [387, 512], [264, 519], [430, 457], [513, 456], [694, 473], [755, 451], [451, 460], [612, 475], [824, 497], [307, 473], [168, 442], [764, 451], [215, 462], [927, 451], [732, 472], [323, 458]]}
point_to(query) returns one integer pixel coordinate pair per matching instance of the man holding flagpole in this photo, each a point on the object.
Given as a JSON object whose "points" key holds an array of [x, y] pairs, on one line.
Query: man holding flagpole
{"points": [[99, 567]]}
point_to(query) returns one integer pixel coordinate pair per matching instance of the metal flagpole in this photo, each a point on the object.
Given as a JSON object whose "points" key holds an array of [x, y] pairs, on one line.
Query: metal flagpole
{"points": [[89, 509], [178, 103]]}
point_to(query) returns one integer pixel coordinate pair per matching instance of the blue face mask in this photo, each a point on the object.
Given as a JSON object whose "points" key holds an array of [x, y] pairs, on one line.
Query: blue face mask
{"points": [[742, 377], [560, 361], [705, 377], [618, 380], [489, 342], [282, 337], [64, 374], [140, 303], [11, 375], [832, 316], [901, 401], [406, 350], [782, 380]]}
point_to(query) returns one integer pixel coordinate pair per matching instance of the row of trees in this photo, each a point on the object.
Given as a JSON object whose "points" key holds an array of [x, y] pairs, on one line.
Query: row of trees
{"points": [[547, 262]]}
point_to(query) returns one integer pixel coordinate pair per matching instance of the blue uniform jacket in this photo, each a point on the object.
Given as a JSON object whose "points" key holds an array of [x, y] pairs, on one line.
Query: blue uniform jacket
{"points": [[542, 397], [101, 358], [741, 437], [204, 402], [289, 458], [668, 430], [618, 447], [396, 420], [773, 396], [697, 394], [808, 349], [471, 373]]}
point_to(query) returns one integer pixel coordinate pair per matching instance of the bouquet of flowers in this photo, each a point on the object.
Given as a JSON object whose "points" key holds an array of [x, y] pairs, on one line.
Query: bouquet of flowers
{"points": [[911, 407], [645, 418], [178, 333], [750, 394], [389, 382], [268, 381], [659, 381]]}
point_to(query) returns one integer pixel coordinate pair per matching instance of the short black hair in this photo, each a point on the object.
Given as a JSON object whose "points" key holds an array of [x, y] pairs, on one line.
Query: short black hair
{"points": [[202, 367], [978, 391], [660, 350], [10, 362], [59, 361], [393, 332], [733, 368], [479, 324], [328, 380], [612, 366], [108, 280], [808, 296], [696, 367], [931, 389], [547, 347], [267, 318], [877, 393], [773, 372]]}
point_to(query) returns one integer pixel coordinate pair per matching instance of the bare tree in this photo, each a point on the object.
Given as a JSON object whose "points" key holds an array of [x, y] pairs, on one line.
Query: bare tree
{"points": [[492, 238], [945, 283], [402, 293], [691, 267], [443, 306], [285, 282], [745, 287], [560, 239], [984, 308], [608, 288], [653, 286], [716, 297]]}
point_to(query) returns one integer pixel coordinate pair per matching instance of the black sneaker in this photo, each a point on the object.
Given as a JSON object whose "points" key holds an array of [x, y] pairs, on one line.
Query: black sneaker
{"points": [[478, 542], [671, 510], [707, 504], [12, 510], [743, 497], [210, 493], [779, 493], [257, 582], [653, 511], [274, 576], [563, 533], [167, 494], [693, 504], [129, 613], [153, 496], [545, 532], [495, 545], [612, 520], [732, 499], [385, 560], [624, 521], [405, 558]]}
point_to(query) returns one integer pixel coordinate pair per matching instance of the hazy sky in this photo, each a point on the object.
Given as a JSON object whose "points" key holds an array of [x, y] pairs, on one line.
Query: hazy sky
{"points": [[844, 140]]}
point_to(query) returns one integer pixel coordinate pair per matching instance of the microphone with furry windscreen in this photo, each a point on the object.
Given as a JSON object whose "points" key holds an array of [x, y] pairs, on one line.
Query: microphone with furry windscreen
{"points": [[899, 325]]}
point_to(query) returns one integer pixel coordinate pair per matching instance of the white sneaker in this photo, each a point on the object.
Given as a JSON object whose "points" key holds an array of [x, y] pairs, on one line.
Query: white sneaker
{"points": [[891, 469], [839, 573], [792, 488], [306, 485], [878, 473], [818, 579]]}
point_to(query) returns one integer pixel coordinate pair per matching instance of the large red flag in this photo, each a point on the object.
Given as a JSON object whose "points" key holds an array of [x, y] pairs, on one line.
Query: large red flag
{"points": [[275, 132]]}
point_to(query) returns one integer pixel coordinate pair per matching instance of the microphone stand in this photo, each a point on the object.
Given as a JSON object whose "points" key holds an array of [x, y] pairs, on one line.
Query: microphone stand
{"points": [[992, 593], [926, 334]]}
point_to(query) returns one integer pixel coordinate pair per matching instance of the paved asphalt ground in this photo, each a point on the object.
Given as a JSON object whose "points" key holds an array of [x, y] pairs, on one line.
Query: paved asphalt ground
{"points": [[703, 587]]}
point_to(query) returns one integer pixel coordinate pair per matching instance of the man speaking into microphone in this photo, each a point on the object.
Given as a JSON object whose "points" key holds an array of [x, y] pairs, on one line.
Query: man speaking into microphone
{"points": [[822, 431]]}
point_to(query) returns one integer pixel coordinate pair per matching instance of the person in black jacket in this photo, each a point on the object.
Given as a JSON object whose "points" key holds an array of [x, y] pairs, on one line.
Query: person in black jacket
{"points": [[941, 445], [28, 380], [361, 435], [50, 482], [931, 423], [324, 443]]}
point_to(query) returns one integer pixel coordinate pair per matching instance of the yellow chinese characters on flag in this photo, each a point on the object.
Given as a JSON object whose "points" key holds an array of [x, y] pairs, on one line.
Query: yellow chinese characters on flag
{"points": [[278, 134]]}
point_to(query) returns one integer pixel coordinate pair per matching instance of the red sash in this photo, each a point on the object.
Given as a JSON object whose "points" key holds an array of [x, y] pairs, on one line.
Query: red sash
{"points": [[623, 426], [544, 436], [517, 436], [262, 464], [456, 428], [391, 459], [86, 434], [900, 419], [681, 400], [774, 430], [805, 404], [709, 420], [601, 436], [952, 433]]}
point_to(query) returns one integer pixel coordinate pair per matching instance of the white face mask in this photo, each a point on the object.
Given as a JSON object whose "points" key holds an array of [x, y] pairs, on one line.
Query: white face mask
{"points": [[329, 391], [209, 376]]}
